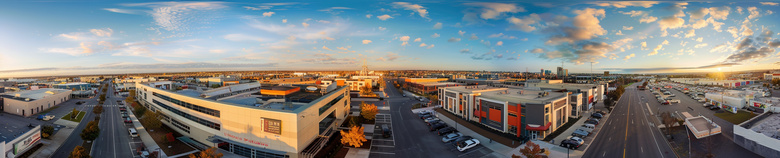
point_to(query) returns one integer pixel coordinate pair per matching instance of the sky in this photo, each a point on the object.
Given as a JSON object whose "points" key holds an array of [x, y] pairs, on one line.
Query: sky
{"points": [[93, 37]]}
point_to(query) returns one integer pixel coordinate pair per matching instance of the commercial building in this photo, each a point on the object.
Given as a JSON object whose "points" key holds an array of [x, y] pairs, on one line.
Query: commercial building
{"points": [[427, 85], [79, 86], [526, 113], [729, 100], [352, 84], [251, 120], [710, 82], [759, 134], [17, 136], [590, 93], [771, 76], [30, 102]]}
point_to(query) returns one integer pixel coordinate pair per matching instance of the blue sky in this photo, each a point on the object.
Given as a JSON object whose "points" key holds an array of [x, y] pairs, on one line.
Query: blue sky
{"points": [[86, 37]]}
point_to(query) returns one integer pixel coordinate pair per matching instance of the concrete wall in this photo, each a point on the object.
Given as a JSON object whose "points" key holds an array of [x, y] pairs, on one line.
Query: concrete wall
{"points": [[756, 142], [8, 147]]}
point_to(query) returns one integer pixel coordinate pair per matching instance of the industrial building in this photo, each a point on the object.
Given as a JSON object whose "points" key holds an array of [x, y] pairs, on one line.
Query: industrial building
{"points": [[30, 102], [251, 119], [526, 113], [18, 135], [584, 95]]}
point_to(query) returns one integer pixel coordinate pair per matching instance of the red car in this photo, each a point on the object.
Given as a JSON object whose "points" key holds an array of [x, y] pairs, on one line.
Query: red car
{"points": [[127, 120], [665, 103]]}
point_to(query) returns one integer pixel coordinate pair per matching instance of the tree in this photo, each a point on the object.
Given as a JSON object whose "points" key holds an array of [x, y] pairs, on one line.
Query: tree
{"points": [[139, 111], [368, 111], [215, 86], [531, 150], [668, 121], [152, 119], [366, 91], [91, 131], [74, 113], [46, 131], [354, 137], [79, 152], [98, 110], [208, 153]]}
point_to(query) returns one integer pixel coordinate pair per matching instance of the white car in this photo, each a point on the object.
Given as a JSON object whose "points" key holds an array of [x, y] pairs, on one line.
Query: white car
{"points": [[674, 101], [468, 144], [48, 117], [450, 137]]}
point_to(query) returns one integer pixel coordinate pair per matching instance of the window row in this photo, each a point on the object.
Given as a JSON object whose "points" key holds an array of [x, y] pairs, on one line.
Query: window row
{"points": [[181, 126], [327, 106], [200, 109], [188, 116]]}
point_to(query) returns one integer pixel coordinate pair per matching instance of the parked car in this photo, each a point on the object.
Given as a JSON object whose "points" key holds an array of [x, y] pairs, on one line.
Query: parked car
{"points": [[386, 132], [45, 117], [125, 115], [665, 103], [706, 104], [437, 126], [702, 100], [583, 131], [80, 102], [602, 112], [431, 119], [445, 130], [122, 109], [596, 115], [674, 101], [579, 133], [434, 122], [468, 144], [423, 113], [593, 119], [589, 130], [461, 139], [579, 140], [425, 116], [591, 122], [127, 120], [450, 137], [714, 107], [591, 126], [571, 144]]}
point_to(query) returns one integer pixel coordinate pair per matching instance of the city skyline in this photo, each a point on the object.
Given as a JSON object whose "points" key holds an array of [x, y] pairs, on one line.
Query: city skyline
{"points": [[620, 37]]}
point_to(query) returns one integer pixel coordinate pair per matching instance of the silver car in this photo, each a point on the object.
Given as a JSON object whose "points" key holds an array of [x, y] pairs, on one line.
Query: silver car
{"points": [[450, 137]]}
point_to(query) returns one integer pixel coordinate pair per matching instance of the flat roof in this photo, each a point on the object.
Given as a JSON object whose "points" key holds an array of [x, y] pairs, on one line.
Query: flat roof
{"points": [[14, 126], [438, 83], [33, 94], [522, 96], [700, 124], [768, 125], [471, 89], [72, 84]]}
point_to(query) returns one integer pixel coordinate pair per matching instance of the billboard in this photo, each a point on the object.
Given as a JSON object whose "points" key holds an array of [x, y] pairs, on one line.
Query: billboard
{"points": [[27, 142], [272, 126]]}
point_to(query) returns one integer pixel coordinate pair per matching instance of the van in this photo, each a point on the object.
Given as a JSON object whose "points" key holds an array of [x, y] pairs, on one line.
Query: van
{"points": [[386, 132], [132, 132]]}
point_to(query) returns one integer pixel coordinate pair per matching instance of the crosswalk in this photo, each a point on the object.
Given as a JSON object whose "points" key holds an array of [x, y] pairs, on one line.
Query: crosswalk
{"points": [[381, 146]]}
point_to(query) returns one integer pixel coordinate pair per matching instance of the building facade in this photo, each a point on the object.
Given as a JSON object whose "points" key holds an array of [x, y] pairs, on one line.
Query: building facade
{"points": [[526, 113], [30, 102], [276, 121]]}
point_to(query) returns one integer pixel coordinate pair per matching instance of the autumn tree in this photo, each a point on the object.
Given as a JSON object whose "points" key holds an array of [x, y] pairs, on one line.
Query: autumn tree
{"points": [[208, 153], [152, 119], [354, 137], [368, 111], [98, 110], [74, 113], [139, 111], [91, 131], [79, 152], [366, 91], [531, 150], [668, 121]]}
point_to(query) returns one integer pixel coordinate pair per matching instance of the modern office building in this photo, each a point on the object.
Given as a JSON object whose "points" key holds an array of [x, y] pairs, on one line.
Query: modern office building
{"points": [[251, 120], [353, 84], [79, 86], [30, 102], [521, 112], [427, 85], [17, 137], [591, 93]]}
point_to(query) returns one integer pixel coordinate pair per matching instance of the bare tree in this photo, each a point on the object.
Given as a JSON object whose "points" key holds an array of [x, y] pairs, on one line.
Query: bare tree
{"points": [[668, 121]]}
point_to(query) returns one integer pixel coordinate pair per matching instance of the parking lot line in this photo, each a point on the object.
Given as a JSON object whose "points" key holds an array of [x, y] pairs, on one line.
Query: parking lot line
{"points": [[472, 150], [388, 146], [377, 152]]}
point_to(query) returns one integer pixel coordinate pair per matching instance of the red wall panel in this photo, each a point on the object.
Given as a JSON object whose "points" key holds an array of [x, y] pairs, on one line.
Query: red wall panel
{"points": [[495, 115]]}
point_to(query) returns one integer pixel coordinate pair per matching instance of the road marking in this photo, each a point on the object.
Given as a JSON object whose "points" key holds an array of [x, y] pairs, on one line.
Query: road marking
{"points": [[472, 150], [377, 152], [610, 138], [642, 148], [625, 139], [604, 154], [632, 121]]}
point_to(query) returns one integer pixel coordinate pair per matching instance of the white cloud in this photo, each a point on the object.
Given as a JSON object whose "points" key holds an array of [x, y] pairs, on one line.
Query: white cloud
{"points": [[417, 39], [720, 13], [368, 16], [326, 48], [437, 25], [586, 25], [700, 45], [430, 46], [268, 14], [305, 25], [634, 13], [123, 11], [500, 43], [629, 56], [753, 12], [404, 38], [644, 45], [382, 28], [413, 7], [366, 41], [648, 19], [628, 28], [384, 17], [473, 37], [623, 4], [502, 36], [770, 3], [453, 39], [102, 32], [525, 23], [699, 13], [242, 37], [719, 48], [671, 23], [690, 33], [460, 32], [343, 48], [334, 10], [435, 35], [699, 39], [423, 45], [493, 10], [620, 32], [284, 20], [734, 31], [178, 16]]}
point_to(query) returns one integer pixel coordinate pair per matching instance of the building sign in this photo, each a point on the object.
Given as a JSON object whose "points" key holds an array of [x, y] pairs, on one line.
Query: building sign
{"points": [[272, 126], [759, 105], [26, 143], [245, 139]]}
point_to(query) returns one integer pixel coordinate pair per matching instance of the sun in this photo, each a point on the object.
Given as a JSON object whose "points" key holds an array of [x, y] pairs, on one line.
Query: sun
{"points": [[718, 69]]}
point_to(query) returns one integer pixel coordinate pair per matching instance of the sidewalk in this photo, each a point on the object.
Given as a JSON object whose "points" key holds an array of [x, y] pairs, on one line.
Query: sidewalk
{"points": [[145, 137], [51, 145], [498, 148]]}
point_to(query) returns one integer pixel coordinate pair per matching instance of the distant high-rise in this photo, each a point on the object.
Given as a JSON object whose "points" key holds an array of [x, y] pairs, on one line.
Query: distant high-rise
{"points": [[364, 71]]}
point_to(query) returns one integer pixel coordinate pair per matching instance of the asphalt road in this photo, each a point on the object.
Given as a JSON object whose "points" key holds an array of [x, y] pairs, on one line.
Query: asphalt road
{"points": [[75, 139], [411, 137], [113, 141], [630, 132]]}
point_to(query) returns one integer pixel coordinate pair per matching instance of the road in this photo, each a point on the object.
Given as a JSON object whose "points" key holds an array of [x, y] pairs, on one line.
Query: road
{"points": [[411, 137], [113, 141], [630, 131]]}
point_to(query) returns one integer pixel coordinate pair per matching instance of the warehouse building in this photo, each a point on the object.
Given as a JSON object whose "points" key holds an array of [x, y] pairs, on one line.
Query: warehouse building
{"points": [[30, 102]]}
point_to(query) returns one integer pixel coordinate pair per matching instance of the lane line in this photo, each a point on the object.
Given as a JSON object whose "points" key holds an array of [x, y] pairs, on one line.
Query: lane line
{"points": [[653, 134], [625, 139]]}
